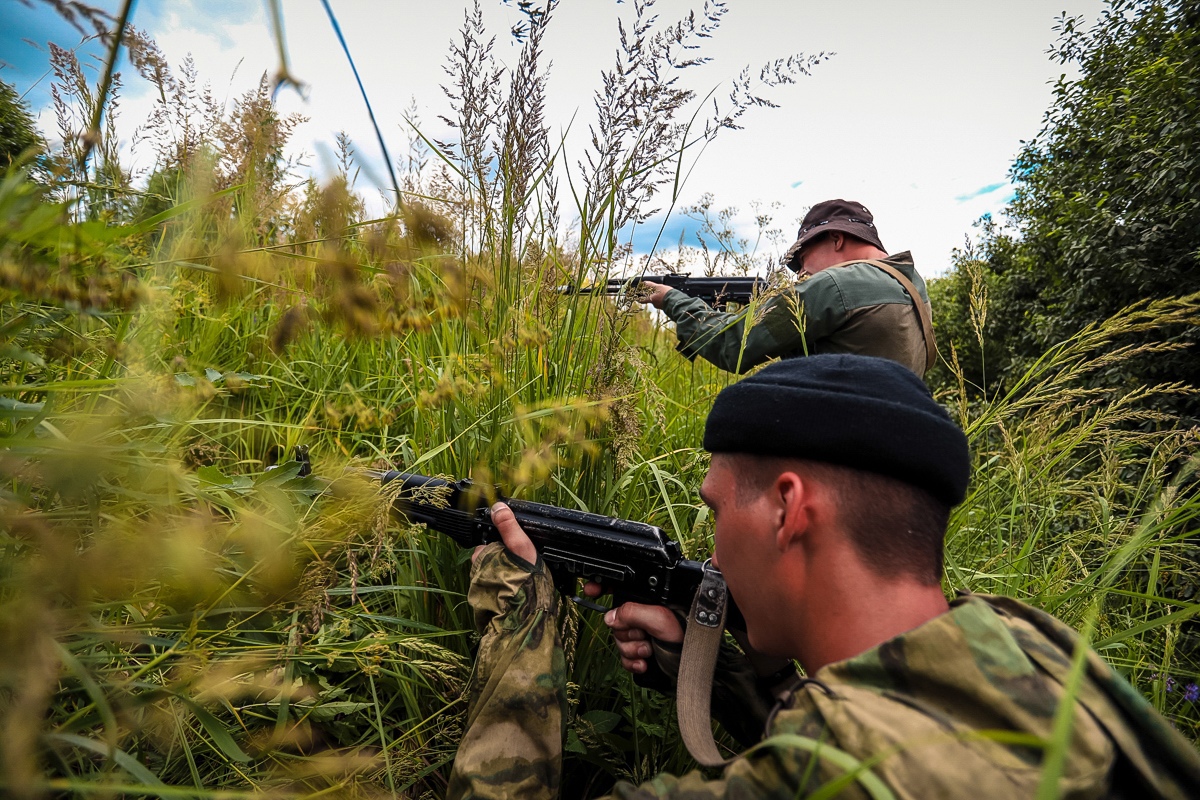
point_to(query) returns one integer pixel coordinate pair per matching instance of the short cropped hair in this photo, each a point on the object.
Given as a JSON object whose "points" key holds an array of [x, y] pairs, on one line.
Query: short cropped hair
{"points": [[895, 527]]}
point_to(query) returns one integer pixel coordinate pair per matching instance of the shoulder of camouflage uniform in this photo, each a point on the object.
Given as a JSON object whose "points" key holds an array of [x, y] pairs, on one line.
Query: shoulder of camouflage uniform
{"points": [[920, 707], [1163, 756]]}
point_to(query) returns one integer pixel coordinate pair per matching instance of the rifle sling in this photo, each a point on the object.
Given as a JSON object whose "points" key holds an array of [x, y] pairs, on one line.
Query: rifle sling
{"points": [[924, 314], [701, 640]]}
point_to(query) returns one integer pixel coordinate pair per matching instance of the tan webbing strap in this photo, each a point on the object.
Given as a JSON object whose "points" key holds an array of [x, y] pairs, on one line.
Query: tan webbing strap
{"points": [[922, 308], [701, 641]]}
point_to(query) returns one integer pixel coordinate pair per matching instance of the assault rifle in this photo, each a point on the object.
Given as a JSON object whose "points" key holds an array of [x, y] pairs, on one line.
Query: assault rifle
{"points": [[634, 561], [719, 289]]}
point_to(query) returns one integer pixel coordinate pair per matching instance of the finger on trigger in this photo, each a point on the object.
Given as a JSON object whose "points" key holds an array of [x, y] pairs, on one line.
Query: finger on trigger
{"points": [[657, 621]]}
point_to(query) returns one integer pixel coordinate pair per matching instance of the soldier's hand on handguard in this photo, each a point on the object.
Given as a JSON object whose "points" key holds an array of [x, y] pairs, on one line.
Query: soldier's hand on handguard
{"points": [[515, 539], [634, 624], [656, 295]]}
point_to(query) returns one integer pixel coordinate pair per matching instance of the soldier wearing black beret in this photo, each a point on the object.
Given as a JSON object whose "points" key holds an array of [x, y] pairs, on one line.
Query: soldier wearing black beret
{"points": [[831, 483]]}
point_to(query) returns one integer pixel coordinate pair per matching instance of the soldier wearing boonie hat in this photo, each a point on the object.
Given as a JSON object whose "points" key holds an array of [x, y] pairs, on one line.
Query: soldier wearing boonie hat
{"points": [[858, 299], [831, 481]]}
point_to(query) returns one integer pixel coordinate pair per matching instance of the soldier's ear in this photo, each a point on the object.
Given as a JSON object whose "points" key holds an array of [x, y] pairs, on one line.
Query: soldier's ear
{"points": [[838, 239], [795, 513]]}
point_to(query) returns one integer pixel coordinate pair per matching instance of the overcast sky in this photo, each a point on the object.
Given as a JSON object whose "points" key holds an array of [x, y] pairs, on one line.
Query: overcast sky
{"points": [[918, 115]]}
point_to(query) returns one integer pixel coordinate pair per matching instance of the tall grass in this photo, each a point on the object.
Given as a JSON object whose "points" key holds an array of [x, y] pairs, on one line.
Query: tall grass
{"points": [[1085, 498], [180, 620]]}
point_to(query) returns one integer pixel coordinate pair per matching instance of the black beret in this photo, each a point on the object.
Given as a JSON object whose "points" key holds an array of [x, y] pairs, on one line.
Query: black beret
{"points": [[863, 412]]}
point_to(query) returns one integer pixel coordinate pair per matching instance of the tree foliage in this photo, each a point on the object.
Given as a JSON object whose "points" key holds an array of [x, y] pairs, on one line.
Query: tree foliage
{"points": [[18, 134], [1107, 206]]}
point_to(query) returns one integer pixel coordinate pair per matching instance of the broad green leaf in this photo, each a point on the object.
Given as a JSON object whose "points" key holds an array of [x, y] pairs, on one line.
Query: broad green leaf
{"points": [[573, 744], [601, 721], [212, 475], [328, 711]]}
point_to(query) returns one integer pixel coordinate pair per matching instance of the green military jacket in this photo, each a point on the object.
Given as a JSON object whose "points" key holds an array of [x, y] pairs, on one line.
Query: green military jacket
{"points": [[954, 708], [854, 308]]}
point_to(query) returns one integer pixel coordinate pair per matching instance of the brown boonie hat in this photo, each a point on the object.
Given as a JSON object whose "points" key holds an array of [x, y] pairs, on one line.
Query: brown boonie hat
{"points": [[833, 215]]}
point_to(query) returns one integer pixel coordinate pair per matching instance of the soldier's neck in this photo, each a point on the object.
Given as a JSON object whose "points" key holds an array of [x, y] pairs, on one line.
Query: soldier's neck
{"points": [[849, 252], [860, 613]]}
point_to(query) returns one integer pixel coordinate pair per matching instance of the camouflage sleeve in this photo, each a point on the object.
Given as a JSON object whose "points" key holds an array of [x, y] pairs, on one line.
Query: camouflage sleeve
{"points": [[722, 337], [783, 325], [512, 747]]}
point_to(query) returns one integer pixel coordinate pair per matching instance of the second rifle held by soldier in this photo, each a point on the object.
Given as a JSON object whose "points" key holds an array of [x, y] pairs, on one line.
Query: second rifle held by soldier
{"points": [[716, 290]]}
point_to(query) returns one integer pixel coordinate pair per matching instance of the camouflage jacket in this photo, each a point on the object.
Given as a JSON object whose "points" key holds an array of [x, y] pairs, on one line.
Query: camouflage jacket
{"points": [[954, 708], [856, 308]]}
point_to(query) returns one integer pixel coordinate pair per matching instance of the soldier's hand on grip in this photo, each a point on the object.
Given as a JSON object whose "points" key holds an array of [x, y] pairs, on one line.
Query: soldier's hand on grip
{"points": [[634, 624]]}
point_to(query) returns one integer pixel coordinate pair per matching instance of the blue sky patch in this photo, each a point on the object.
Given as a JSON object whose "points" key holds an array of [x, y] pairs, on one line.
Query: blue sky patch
{"points": [[645, 235], [991, 187], [26, 57], [26, 30]]}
